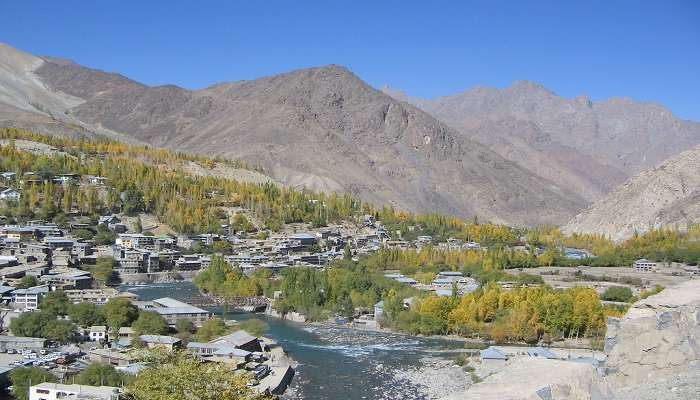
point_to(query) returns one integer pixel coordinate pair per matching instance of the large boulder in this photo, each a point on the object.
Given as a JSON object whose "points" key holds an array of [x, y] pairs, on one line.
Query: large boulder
{"points": [[659, 337], [533, 378]]}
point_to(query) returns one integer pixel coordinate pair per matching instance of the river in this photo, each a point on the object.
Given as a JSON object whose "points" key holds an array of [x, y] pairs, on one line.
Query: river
{"points": [[342, 363]]}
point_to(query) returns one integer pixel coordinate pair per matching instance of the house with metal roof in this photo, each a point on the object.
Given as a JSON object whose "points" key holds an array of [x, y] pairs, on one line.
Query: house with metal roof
{"points": [[493, 354]]}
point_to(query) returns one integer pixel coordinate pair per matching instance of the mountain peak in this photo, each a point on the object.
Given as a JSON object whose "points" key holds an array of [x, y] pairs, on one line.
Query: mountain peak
{"points": [[524, 86]]}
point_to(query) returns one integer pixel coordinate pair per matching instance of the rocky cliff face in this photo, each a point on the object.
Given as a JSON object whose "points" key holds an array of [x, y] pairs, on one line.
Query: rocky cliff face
{"points": [[658, 338]]}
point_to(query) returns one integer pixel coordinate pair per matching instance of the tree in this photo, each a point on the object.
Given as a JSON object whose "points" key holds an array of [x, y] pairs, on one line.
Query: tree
{"points": [[22, 378], [133, 200], [85, 314], [347, 255], [184, 326], [99, 374], [56, 302], [617, 293], [103, 271], [212, 329], [150, 323], [119, 312], [185, 329], [60, 331], [185, 378], [83, 234], [104, 236], [27, 281], [31, 323], [138, 227], [255, 327]]}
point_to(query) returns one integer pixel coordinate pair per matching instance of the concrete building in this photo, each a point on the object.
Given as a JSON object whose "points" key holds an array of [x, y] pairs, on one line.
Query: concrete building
{"points": [[645, 265], [95, 296], [29, 299], [174, 310], [57, 391], [21, 342], [97, 333]]}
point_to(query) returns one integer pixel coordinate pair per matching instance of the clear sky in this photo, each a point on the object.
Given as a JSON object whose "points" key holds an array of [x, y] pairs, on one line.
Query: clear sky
{"points": [[646, 50]]}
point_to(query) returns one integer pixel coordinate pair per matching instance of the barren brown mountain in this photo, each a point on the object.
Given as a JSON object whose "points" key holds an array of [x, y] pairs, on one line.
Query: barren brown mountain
{"points": [[667, 195], [585, 146], [322, 128]]}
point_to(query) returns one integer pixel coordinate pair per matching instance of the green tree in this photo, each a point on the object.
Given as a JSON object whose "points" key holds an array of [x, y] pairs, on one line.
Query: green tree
{"points": [[55, 302], [119, 312], [103, 271], [83, 234], [31, 323], [617, 293], [150, 323], [133, 200], [185, 329], [27, 281], [183, 378], [85, 314], [212, 329], [22, 378], [99, 374], [60, 331], [255, 327], [104, 236]]}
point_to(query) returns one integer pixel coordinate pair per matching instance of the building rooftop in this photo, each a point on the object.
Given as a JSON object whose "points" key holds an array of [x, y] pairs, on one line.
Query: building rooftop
{"points": [[238, 338], [159, 339], [85, 392]]}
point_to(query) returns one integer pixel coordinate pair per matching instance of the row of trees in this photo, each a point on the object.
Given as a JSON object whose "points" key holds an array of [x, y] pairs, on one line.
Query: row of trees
{"points": [[529, 314]]}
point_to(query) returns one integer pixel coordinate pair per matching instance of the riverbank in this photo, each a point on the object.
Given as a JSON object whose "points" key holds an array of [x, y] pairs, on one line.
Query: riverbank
{"points": [[583, 344]]}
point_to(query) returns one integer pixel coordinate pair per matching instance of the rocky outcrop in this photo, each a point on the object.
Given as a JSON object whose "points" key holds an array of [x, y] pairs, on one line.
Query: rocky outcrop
{"points": [[540, 379], [653, 352], [658, 338]]}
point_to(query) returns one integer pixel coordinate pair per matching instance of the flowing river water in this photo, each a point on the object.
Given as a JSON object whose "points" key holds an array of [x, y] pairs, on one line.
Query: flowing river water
{"points": [[341, 363]]}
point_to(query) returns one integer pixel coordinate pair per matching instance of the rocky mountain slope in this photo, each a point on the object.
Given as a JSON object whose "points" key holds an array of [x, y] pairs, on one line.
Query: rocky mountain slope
{"points": [[668, 194], [588, 147], [322, 128], [27, 102]]}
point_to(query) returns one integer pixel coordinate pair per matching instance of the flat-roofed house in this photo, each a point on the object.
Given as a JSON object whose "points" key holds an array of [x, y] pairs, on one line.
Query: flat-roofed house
{"points": [[174, 310], [167, 342], [29, 299], [58, 391], [644, 265]]}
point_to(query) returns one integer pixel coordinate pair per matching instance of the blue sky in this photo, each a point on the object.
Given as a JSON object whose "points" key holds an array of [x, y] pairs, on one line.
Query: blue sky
{"points": [[646, 50]]}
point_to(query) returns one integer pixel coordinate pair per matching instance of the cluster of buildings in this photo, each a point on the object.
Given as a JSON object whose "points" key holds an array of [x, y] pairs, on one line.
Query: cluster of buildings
{"points": [[444, 284]]}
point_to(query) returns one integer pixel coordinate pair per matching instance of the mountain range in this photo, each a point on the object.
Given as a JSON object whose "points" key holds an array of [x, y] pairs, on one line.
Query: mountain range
{"points": [[521, 155]]}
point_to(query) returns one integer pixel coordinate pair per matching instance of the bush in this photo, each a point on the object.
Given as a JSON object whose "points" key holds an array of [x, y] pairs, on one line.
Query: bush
{"points": [[617, 293]]}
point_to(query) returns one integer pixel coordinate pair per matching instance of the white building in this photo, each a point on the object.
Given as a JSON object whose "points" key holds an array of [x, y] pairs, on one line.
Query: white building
{"points": [[57, 391], [644, 265], [10, 194], [29, 299], [97, 333]]}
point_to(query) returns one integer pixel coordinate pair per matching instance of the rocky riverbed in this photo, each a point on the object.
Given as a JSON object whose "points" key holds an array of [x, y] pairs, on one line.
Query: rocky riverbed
{"points": [[434, 378]]}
